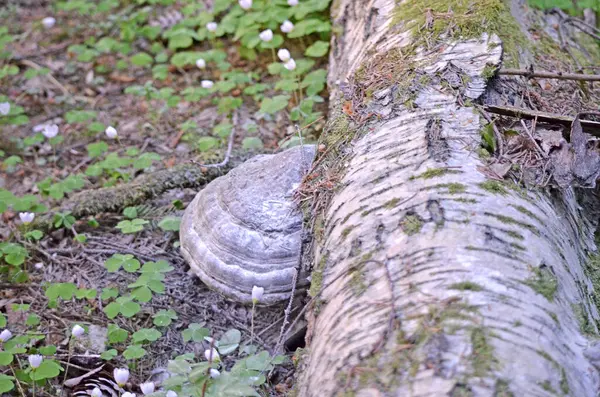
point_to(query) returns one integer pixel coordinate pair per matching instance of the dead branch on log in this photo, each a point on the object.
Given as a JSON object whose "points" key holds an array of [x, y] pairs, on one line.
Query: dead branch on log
{"points": [[591, 127], [548, 75]]}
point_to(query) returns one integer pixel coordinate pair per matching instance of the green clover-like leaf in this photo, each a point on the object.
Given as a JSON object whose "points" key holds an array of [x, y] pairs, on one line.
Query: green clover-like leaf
{"points": [[124, 305], [109, 354], [116, 334], [146, 334], [133, 226], [134, 352], [170, 223], [164, 317], [108, 293], [195, 332], [275, 104], [48, 369], [127, 261], [6, 383], [229, 341]]}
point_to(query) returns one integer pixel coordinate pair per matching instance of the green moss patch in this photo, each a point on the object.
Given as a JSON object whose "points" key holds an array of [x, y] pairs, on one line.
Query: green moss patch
{"points": [[482, 357], [430, 20], [434, 173], [466, 286], [411, 224], [543, 282], [495, 187]]}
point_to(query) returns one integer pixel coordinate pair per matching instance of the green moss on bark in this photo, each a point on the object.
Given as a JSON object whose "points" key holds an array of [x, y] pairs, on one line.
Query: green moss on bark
{"points": [[431, 21], [543, 282]]}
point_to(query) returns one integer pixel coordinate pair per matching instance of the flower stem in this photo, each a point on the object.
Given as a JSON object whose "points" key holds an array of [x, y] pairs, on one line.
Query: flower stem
{"points": [[252, 323], [273, 54], [68, 360]]}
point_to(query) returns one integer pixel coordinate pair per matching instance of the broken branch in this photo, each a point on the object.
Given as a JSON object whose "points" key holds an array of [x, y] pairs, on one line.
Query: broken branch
{"points": [[548, 75], [591, 127]]}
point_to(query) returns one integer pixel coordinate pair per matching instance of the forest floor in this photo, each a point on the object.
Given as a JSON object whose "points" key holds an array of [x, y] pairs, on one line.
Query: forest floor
{"points": [[131, 65]]}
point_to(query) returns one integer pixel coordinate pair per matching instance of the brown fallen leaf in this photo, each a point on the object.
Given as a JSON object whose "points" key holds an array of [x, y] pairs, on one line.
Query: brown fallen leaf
{"points": [[121, 78]]}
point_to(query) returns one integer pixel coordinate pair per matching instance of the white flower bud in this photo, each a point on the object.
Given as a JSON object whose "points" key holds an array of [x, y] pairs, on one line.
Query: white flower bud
{"points": [[284, 55], [215, 355], [147, 388], [4, 108], [50, 131], [77, 331], [211, 26], [287, 26], [48, 22], [257, 293], [121, 375], [208, 84], [5, 335], [245, 4], [111, 132], [200, 63], [171, 393], [26, 217], [266, 35], [290, 65], [35, 360], [214, 373], [292, 2]]}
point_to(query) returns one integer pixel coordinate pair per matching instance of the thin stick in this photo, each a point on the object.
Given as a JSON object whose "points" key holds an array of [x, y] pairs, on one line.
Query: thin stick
{"points": [[210, 357], [283, 332], [18, 382], [548, 75], [591, 127], [229, 146], [52, 79]]}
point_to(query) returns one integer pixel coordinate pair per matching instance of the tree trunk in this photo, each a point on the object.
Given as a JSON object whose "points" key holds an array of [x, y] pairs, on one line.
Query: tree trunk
{"points": [[429, 278]]}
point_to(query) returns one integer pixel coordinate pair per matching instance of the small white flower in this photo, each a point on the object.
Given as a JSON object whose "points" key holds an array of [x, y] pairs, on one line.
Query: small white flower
{"points": [[121, 375], [111, 132], [292, 2], [48, 22], [290, 65], [39, 265], [211, 26], [284, 55], [26, 217], [127, 394], [171, 393], [287, 26], [77, 331], [4, 108], [266, 35], [200, 63], [147, 388], [214, 373], [208, 84], [50, 131], [35, 360], [257, 293], [245, 4], [5, 335], [215, 355], [96, 392]]}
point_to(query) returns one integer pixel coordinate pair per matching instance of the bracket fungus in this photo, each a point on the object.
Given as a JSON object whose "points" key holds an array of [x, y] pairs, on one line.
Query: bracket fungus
{"points": [[243, 229]]}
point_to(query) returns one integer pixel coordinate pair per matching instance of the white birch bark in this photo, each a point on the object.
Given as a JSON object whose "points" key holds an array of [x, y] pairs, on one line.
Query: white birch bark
{"points": [[432, 280]]}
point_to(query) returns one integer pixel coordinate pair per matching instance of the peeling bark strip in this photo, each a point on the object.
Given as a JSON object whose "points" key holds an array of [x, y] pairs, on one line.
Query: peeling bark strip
{"points": [[436, 281]]}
